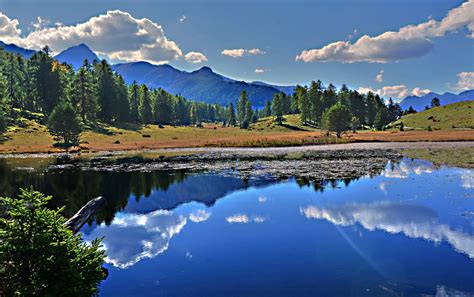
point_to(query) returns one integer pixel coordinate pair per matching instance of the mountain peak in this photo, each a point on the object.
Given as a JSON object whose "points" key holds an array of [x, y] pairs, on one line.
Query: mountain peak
{"points": [[205, 69], [75, 55]]}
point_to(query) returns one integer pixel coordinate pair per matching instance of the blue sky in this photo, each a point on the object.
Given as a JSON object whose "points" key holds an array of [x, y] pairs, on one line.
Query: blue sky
{"points": [[438, 55]]}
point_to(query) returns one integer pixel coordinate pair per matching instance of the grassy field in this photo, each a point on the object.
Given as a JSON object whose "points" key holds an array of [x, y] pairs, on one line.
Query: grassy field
{"points": [[449, 117], [29, 136]]}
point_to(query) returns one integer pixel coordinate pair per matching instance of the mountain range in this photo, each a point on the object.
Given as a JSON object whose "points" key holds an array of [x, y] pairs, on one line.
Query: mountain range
{"points": [[419, 103], [207, 86]]}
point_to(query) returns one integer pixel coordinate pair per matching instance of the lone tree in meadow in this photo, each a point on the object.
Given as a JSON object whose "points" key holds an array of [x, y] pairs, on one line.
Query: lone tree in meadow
{"points": [[435, 102], [65, 124], [337, 118], [40, 256]]}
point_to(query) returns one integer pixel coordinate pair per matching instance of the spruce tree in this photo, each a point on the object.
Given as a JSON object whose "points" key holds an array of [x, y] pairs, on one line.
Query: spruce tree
{"points": [[231, 115]]}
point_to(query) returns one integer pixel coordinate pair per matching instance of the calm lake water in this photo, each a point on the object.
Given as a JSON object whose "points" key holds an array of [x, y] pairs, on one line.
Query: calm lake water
{"points": [[406, 232]]}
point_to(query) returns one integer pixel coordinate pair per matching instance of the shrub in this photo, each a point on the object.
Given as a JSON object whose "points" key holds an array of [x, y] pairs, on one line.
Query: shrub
{"points": [[39, 256]]}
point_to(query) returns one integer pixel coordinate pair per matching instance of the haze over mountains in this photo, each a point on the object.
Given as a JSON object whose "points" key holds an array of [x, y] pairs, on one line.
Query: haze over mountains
{"points": [[207, 86]]}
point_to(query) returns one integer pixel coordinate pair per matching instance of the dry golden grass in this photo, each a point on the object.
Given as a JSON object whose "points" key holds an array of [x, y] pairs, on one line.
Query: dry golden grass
{"points": [[32, 137]]}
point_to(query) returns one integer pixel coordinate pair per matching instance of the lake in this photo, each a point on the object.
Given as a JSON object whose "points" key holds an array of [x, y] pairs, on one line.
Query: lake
{"points": [[408, 231]]}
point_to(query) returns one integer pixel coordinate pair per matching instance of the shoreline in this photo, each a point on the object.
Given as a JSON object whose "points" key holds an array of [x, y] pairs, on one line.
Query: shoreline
{"points": [[378, 145]]}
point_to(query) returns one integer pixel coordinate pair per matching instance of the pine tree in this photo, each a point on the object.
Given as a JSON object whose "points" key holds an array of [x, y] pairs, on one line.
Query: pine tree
{"points": [[241, 107], [278, 107], [146, 115], [267, 111], [84, 94], [163, 109], [231, 115], [134, 95], [336, 118], [106, 91]]}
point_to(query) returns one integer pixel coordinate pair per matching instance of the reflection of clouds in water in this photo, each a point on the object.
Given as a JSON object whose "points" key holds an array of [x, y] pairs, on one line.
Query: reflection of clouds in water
{"points": [[411, 220], [262, 199], [405, 168], [239, 218], [442, 291], [243, 219], [133, 237], [467, 179], [382, 187], [199, 216]]}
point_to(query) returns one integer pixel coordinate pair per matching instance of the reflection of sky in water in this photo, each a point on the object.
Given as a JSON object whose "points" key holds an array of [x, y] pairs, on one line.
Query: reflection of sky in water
{"points": [[404, 231]]}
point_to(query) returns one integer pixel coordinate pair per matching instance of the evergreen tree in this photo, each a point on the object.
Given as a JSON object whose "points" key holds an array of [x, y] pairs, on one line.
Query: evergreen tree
{"points": [[278, 107], [336, 118], [231, 115], [241, 107], [381, 118], [84, 94], [194, 116], [106, 91], [64, 123], [134, 95], [248, 116], [163, 108], [315, 103], [121, 103], [267, 111], [146, 115], [435, 102]]}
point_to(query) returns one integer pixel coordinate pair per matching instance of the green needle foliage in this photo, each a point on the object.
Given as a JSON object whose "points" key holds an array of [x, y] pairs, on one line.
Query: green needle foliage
{"points": [[39, 256]]}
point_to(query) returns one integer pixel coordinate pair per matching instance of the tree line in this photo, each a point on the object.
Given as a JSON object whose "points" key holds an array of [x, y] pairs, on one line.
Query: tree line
{"points": [[71, 99], [335, 110]]}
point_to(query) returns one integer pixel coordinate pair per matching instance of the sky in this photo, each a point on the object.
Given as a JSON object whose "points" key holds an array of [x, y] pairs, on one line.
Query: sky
{"points": [[393, 47]]}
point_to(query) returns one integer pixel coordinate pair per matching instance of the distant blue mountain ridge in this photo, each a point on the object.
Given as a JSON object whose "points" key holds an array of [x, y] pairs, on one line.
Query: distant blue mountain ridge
{"points": [[207, 86], [419, 103]]}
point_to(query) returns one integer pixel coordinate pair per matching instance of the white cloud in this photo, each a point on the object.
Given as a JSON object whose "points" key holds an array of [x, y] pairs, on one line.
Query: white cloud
{"points": [[195, 57], [408, 42], [40, 23], [399, 91], [259, 71], [465, 81], [379, 77], [414, 221], [420, 92], [262, 199], [240, 52], [9, 31], [182, 18], [116, 35], [467, 180], [199, 216]]}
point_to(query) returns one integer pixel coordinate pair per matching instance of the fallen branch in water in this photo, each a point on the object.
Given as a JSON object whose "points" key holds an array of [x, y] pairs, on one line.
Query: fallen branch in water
{"points": [[80, 218]]}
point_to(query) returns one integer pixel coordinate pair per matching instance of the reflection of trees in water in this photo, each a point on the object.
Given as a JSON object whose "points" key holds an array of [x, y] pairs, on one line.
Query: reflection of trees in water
{"points": [[74, 187]]}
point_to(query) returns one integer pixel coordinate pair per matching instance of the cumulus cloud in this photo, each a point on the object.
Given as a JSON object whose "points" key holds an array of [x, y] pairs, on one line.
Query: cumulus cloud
{"points": [[400, 91], [9, 31], [40, 23], [182, 18], [408, 42], [195, 57], [465, 81], [259, 70], [115, 35], [420, 92], [240, 52], [379, 77], [414, 221]]}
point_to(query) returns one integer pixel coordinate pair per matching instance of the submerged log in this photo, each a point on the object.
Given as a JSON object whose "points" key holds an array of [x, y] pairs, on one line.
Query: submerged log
{"points": [[80, 218]]}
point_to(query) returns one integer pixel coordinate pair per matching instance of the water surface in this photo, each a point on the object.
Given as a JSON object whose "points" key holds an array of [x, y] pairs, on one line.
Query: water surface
{"points": [[406, 232]]}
